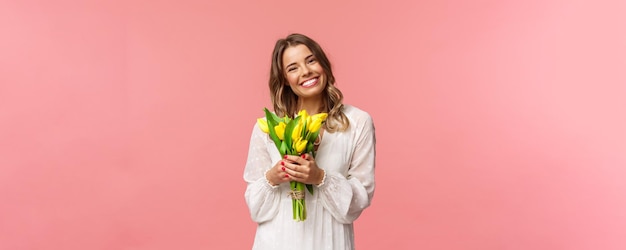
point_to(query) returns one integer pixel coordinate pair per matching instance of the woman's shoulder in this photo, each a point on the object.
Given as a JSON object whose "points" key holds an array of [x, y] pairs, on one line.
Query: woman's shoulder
{"points": [[356, 114]]}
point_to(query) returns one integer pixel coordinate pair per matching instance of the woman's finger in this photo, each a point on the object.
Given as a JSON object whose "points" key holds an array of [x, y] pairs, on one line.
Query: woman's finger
{"points": [[297, 159], [289, 172]]}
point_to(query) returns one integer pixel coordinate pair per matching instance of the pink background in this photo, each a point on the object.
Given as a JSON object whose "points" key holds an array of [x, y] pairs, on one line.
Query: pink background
{"points": [[500, 124]]}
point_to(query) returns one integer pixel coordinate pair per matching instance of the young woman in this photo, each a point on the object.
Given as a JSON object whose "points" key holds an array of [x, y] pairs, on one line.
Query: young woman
{"points": [[342, 172]]}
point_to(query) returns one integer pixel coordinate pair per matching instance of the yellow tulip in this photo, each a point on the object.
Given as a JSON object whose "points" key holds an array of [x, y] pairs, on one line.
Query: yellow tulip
{"points": [[297, 130], [299, 145], [263, 125], [280, 130], [315, 126], [321, 116], [316, 122], [303, 114]]}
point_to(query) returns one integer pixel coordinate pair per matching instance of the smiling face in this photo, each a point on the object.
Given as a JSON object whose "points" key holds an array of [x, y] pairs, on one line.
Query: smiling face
{"points": [[303, 72]]}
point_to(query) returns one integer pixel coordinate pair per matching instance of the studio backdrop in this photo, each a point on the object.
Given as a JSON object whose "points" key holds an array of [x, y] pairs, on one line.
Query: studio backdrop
{"points": [[499, 124]]}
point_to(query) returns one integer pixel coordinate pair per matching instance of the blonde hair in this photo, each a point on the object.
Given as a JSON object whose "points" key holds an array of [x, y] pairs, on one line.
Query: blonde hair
{"points": [[285, 101]]}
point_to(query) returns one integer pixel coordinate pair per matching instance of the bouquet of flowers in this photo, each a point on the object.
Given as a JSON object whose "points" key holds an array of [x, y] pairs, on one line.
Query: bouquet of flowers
{"points": [[294, 136]]}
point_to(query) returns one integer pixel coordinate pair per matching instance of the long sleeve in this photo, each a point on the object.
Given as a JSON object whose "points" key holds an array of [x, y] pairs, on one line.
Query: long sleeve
{"points": [[345, 197], [262, 199]]}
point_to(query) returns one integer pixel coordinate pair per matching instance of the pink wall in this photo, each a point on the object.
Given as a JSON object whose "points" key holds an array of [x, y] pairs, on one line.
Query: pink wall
{"points": [[500, 125]]}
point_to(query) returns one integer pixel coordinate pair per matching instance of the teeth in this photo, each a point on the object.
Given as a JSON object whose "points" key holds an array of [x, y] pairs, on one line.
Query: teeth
{"points": [[309, 82]]}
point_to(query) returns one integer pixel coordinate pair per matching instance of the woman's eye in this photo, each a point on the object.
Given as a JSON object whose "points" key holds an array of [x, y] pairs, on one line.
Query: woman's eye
{"points": [[291, 69], [312, 60]]}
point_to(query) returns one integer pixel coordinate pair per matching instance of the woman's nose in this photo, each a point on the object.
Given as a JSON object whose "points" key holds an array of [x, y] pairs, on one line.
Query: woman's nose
{"points": [[305, 70]]}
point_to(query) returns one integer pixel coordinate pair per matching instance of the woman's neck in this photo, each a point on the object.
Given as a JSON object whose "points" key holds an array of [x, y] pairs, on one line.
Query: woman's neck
{"points": [[312, 106]]}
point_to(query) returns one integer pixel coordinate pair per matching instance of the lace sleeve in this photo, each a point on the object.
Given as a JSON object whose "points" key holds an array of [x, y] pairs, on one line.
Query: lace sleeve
{"points": [[347, 197], [262, 198]]}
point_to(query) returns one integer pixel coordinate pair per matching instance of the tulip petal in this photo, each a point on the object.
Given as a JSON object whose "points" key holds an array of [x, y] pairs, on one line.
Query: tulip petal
{"points": [[262, 123], [280, 130], [289, 130]]}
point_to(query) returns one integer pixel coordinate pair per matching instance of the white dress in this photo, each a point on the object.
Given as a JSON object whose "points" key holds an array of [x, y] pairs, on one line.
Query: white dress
{"points": [[348, 159]]}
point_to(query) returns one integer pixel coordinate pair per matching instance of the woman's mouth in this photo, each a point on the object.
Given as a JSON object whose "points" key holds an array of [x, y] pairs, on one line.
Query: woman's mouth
{"points": [[310, 83]]}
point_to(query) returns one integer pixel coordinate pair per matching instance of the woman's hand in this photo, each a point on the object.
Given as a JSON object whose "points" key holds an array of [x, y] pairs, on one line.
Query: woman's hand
{"points": [[276, 175], [302, 169]]}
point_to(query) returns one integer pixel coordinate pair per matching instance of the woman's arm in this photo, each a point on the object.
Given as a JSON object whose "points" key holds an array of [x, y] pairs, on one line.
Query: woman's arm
{"points": [[346, 197], [262, 198]]}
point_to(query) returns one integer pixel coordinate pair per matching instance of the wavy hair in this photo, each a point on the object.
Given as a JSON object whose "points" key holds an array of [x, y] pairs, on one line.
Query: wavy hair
{"points": [[285, 101]]}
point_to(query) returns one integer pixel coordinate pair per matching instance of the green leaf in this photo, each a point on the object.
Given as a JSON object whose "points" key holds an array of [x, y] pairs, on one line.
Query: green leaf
{"points": [[310, 188], [271, 123], [283, 148], [313, 136], [271, 117]]}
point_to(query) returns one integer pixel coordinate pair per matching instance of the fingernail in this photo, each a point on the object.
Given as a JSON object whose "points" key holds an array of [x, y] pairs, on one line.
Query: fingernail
{"points": [[282, 163], [286, 176], [285, 157], [283, 168], [303, 156]]}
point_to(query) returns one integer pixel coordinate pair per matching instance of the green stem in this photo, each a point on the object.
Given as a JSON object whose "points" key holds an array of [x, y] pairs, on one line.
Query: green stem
{"points": [[298, 205]]}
